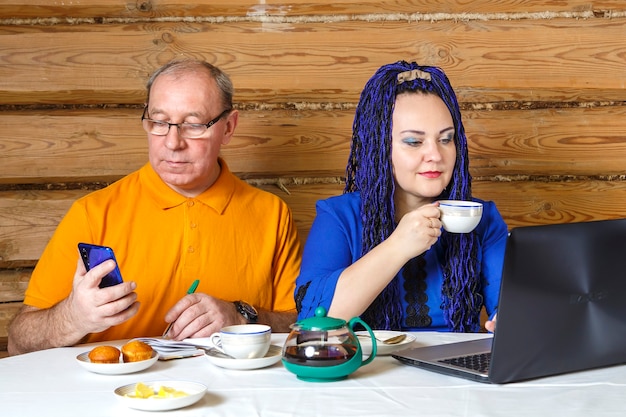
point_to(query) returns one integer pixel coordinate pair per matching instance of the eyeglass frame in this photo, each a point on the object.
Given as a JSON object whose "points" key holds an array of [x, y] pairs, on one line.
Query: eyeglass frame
{"points": [[179, 125]]}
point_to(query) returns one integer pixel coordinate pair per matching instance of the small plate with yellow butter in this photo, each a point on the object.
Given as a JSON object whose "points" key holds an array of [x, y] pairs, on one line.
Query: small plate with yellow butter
{"points": [[160, 395]]}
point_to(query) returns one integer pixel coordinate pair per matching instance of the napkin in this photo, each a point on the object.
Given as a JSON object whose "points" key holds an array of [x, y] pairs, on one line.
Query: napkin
{"points": [[173, 349]]}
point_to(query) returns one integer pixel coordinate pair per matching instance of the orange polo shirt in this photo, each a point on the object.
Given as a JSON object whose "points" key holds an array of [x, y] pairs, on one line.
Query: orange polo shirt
{"points": [[239, 241]]}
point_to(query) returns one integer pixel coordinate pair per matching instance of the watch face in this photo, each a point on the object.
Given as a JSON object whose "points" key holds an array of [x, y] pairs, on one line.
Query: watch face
{"points": [[247, 311]]}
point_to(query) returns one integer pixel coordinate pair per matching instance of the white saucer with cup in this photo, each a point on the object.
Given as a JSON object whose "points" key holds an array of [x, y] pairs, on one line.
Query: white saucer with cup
{"points": [[458, 216], [243, 341]]}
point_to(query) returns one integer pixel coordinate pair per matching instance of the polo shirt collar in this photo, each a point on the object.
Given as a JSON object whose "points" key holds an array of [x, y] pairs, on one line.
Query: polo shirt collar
{"points": [[216, 196]]}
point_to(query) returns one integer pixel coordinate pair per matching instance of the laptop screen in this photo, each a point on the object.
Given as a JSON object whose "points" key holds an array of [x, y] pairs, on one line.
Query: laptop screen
{"points": [[562, 307], [562, 300]]}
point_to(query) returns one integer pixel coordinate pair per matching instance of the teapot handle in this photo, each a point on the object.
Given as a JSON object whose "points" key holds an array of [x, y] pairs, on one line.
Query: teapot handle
{"points": [[351, 324]]}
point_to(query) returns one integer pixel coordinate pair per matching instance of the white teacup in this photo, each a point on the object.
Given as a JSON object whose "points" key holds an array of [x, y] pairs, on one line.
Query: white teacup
{"points": [[243, 341], [459, 216]]}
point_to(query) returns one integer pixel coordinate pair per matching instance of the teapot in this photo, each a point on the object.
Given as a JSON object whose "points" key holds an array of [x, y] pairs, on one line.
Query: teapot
{"points": [[324, 348]]}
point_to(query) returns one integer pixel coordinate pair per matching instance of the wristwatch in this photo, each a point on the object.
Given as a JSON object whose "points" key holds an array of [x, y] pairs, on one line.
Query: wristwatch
{"points": [[247, 311]]}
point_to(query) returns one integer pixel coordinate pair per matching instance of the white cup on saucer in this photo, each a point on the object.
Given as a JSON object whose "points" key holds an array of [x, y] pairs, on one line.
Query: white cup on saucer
{"points": [[243, 341]]}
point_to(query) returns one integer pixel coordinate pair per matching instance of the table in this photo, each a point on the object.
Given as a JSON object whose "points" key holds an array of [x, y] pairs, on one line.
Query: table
{"points": [[51, 383]]}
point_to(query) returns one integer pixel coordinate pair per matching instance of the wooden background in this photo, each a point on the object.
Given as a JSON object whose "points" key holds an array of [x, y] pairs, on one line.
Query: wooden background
{"points": [[541, 85]]}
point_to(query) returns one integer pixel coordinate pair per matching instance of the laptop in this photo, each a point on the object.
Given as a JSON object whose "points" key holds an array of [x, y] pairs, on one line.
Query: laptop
{"points": [[562, 308]]}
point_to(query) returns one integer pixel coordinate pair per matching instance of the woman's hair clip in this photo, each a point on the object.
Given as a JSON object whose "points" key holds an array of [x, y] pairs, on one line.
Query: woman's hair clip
{"points": [[412, 75]]}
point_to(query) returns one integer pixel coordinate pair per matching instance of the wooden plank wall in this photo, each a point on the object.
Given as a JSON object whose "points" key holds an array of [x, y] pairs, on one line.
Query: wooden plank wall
{"points": [[541, 84]]}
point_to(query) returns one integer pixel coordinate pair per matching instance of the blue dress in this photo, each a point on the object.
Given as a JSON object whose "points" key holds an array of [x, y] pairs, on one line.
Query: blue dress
{"points": [[334, 243]]}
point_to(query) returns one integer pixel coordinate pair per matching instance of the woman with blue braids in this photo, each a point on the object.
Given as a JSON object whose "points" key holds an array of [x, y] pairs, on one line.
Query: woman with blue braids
{"points": [[379, 251]]}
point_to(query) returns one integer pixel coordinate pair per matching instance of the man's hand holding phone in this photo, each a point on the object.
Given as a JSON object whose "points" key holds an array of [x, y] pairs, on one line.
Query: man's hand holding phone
{"points": [[92, 308]]}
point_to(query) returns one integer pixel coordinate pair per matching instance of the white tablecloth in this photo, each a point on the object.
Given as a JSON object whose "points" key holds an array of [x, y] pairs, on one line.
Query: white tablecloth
{"points": [[51, 383]]}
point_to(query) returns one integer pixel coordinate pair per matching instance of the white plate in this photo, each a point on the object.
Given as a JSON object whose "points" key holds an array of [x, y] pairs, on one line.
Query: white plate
{"points": [[195, 390], [115, 368], [381, 348], [273, 355]]}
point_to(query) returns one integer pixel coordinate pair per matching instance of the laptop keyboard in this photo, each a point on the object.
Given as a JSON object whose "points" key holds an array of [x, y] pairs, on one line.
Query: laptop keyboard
{"points": [[478, 362]]}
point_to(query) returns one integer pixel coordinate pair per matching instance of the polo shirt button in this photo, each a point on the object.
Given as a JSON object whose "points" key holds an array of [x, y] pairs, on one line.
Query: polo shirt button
{"points": [[193, 225], [190, 203], [190, 249]]}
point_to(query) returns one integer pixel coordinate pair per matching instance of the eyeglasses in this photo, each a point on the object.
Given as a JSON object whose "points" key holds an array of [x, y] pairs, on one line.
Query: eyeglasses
{"points": [[185, 130]]}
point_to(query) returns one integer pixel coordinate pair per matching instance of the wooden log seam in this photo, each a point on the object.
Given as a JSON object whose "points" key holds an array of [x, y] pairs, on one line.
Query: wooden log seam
{"points": [[263, 17], [551, 178], [87, 186], [283, 182], [243, 106], [320, 106], [538, 105]]}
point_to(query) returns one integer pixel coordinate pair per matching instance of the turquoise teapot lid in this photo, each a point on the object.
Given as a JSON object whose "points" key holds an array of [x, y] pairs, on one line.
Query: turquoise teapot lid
{"points": [[320, 322]]}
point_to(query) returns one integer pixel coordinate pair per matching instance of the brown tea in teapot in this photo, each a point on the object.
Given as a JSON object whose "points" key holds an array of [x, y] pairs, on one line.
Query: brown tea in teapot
{"points": [[328, 354]]}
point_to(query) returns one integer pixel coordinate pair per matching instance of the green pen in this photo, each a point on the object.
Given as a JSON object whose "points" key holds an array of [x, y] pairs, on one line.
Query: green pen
{"points": [[191, 290]]}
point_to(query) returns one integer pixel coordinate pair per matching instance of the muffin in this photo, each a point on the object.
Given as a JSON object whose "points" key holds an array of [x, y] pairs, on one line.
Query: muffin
{"points": [[135, 351], [104, 354]]}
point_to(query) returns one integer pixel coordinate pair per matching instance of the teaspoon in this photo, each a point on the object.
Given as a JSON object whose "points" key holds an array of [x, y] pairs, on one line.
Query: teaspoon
{"points": [[389, 341], [393, 340]]}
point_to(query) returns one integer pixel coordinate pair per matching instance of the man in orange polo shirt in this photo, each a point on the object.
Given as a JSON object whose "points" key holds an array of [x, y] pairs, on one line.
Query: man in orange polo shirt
{"points": [[181, 217]]}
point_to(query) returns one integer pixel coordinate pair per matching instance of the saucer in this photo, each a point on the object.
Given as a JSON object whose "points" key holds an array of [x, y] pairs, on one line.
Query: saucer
{"points": [[381, 348], [194, 390], [217, 358], [115, 368]]}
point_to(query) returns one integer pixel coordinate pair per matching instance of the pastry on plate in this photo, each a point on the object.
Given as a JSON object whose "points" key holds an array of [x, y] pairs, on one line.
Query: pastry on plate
{"points": [[104, 354], [136, 350]]}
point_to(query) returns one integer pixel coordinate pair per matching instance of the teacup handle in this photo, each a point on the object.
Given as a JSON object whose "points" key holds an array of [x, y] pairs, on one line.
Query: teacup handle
{"points": [[357, 320], [217, 341]]}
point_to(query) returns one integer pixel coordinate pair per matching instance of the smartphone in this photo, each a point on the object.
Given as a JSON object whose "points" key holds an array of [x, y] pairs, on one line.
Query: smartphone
{"points": [[93, 255]]}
